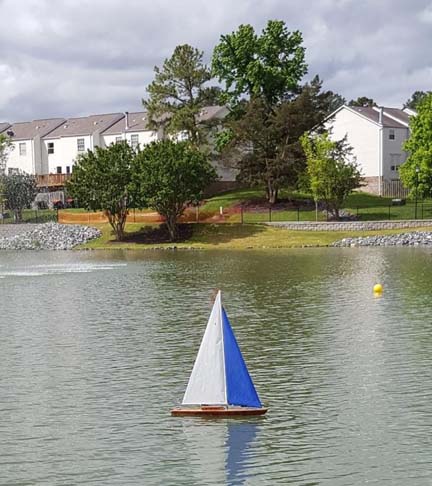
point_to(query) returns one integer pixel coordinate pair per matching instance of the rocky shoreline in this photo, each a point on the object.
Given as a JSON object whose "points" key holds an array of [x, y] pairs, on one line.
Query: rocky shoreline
{"points": [[414, 238], [48, 236]]}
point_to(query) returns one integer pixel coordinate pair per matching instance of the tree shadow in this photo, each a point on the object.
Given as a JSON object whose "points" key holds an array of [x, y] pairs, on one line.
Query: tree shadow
{"points": [[193, 233]]}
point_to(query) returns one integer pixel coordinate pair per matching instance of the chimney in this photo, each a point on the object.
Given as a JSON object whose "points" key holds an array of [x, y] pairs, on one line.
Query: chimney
{"points": [[126, 120], [380, 116]]}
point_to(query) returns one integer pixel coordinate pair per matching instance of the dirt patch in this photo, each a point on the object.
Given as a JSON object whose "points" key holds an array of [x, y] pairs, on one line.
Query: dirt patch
{"points": [[283, 204]]}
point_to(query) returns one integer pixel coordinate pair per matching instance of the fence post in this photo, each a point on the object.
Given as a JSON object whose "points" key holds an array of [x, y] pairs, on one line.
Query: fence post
{"points": [[298, 214], [422, 210], [134, 215], [389, 211], [270, 214], [197, 213]]}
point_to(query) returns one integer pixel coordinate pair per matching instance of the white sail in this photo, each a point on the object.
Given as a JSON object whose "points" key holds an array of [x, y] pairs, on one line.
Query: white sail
{"points": [[207, 381]]}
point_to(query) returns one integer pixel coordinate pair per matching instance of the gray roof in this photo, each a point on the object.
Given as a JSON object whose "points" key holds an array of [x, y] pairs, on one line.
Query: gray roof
{"points": [[87, 125], [209, 112], [137, 122], [4, 126], [401, 115], [29, 130], [373, 115]]}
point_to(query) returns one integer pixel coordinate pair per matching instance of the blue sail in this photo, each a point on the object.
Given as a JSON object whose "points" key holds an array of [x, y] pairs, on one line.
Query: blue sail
{"points": [[239, 386]]}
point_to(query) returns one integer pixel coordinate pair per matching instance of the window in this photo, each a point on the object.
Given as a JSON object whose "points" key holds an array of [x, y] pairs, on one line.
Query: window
{"points": [[391, 134], [23, 149], [67, 169], [134, 141], [119, 139], [81, 144], [50, 147], [59, 169], [394, 168]]}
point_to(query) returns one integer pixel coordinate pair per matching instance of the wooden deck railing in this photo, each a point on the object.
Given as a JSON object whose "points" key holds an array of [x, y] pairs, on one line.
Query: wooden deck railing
{"points": [[52, 180]]}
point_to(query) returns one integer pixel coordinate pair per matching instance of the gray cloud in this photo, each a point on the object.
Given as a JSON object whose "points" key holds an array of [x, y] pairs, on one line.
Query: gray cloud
{"points": [[68, 58]]}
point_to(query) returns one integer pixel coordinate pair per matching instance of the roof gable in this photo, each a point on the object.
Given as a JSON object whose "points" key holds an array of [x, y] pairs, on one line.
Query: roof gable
{"points": [[74, 127], [30, 130]]}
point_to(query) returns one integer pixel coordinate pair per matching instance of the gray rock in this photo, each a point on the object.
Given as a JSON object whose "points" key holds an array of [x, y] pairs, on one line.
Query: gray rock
{"points": [[48, 236], [415, 238]]}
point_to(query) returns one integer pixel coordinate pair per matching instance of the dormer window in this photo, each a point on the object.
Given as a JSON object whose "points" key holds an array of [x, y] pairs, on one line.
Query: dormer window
{"points": [[391, 134], [23, 149], [81, 145]]}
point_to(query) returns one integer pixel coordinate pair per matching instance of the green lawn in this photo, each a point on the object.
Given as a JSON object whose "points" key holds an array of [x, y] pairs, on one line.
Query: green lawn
{"points": [[231, 236]]}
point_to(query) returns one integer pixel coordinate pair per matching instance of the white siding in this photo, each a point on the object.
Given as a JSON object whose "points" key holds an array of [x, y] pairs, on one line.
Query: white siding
{"points": [[65, 152], [393, 147], [143, 137], [363, 136], [24, 163]]}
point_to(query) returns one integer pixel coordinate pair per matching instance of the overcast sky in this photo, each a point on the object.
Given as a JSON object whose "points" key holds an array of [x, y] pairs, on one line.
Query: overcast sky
{"points": [[78, 57]]}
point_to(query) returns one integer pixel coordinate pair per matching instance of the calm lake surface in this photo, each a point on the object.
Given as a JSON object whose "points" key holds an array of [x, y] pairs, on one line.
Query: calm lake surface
{"points": [[96, 347]]}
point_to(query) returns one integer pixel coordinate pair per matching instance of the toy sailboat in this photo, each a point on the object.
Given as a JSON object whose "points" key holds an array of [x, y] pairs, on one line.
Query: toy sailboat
{"points": [[220, 383]]}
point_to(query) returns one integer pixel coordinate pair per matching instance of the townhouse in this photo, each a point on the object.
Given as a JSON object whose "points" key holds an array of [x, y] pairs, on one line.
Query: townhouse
{"points": [[50, 148], [377, 135]]}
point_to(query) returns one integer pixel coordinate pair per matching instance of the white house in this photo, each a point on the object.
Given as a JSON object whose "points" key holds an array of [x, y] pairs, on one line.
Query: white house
{"points": [[74, 136], [376, 135], [132, 127], [49, 148], [27, 147]]}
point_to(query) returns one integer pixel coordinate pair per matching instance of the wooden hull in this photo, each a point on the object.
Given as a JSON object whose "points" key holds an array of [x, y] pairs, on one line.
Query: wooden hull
{"points": [[217, 411]]}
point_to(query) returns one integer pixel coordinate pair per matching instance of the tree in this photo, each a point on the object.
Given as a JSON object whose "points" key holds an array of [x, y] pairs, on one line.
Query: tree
{"points": [[266, 146], [167, 176], [332, 175], [19, 192], [178, 93], [363, 101], [100, 181], [416, 172], [268, 66], [416, 98], [5, 147]]}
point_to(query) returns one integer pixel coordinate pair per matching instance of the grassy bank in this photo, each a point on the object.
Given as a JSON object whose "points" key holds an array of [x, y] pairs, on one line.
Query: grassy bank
{"points": [[227, 236]]}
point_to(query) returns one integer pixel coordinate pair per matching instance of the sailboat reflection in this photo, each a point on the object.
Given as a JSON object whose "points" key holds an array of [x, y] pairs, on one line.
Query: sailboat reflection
{"points": [[220, 451], [240, 439]]}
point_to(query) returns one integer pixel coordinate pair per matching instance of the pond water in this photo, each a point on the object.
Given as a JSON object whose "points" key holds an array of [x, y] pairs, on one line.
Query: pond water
{"points": [[96, 347]]}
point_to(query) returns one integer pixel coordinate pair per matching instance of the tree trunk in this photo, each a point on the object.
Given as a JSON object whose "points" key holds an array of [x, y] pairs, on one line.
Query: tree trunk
{"points": [[117, 222], [171, 223], [272, 193]]}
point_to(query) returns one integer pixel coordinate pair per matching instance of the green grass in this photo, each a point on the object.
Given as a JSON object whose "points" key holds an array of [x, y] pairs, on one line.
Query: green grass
{"points": [[234, 236], [32, 216]]}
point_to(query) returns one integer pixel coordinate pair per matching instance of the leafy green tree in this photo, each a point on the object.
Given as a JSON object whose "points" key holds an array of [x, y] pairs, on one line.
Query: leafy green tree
{"points": [[416, 98], [5, 147], [179, 92], [19, 192], [268, 66], [168, 176], [416, 172], [362, 101], [265, 147], [100, 181], [332, 173]]}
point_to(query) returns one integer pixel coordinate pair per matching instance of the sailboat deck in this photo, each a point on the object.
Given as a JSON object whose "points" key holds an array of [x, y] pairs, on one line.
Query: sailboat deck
{"points": [[217, 411]]}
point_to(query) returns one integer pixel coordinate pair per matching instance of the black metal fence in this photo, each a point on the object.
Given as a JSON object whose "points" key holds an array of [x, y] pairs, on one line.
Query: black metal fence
{"points": [[30, 216]]}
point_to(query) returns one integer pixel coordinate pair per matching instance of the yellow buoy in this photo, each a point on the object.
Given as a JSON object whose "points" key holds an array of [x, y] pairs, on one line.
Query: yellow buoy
{"points": [[378, 288]]}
